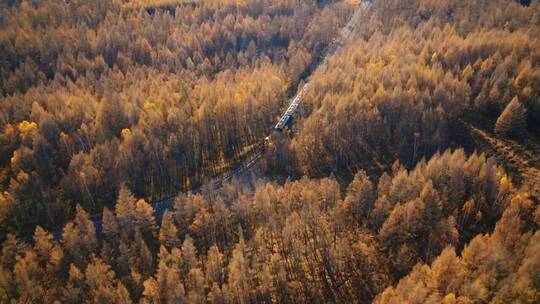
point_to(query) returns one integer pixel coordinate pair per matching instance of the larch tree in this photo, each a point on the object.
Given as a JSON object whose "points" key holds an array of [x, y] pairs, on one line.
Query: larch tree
{"points": [[513, 120], [360, 197], [166, 285], [168, 233], [195, 286], [28, 277], [189, 257], [239, 286], [214, 267], [103, 285], [110, 226], [50, 257], [75, 288], [79, 238]]}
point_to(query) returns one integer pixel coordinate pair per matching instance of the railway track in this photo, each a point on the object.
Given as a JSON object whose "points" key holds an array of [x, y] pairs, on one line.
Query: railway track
{"points": [[337, 45], [249, 162]]}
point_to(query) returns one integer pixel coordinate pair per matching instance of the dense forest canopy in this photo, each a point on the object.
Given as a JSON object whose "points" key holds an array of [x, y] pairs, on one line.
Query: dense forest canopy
{"points": [[97, 93], [415, 69], [393, 183]]}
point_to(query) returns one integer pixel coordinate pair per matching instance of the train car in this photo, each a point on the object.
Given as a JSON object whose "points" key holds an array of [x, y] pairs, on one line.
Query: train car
{"points": [[283, 122]]}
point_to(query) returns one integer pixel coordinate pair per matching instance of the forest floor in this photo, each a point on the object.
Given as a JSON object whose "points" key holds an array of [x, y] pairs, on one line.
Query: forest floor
{"points": [[521, 158]]}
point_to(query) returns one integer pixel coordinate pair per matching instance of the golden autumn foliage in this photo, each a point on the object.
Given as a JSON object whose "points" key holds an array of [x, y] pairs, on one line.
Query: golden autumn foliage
{"points": [[27, 127], [513, 120], [113, 111], [298, 241], [158, 95]]}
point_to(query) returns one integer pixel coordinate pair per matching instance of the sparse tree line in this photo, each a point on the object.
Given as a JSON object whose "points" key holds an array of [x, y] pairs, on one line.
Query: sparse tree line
{"points": [[300, 242], [96, 93]]}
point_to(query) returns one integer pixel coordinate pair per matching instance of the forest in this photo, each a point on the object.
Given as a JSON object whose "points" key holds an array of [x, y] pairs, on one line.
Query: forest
{"points": [[409, 174], [157, 101]]}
